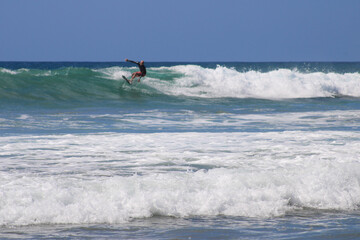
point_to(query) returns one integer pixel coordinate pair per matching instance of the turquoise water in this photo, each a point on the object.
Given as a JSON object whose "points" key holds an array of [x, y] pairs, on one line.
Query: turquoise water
{"points": [[195, 150]]}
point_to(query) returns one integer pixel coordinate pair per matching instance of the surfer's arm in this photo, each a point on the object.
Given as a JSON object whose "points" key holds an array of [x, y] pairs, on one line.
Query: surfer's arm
{"points": [[127, 60]]}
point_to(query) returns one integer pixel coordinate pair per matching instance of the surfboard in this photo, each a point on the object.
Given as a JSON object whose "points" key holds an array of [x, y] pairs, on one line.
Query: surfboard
{"points": [[127, 80]]}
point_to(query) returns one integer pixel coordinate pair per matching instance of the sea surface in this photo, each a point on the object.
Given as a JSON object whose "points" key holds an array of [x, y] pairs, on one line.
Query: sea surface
{"points": [[193, 151]]}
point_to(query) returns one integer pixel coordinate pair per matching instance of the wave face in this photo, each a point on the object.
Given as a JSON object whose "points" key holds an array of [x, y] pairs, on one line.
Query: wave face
{"points": [[83, 83]]}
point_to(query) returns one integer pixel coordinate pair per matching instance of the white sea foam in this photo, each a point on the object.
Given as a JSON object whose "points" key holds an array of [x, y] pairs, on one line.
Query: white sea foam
{"points": [[23, 117], [111, 178], [277, 84], [12, 72], [46, 73], [193, 120]]}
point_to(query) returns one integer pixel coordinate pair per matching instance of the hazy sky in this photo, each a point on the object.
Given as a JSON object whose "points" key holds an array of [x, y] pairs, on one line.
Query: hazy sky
{"points": [[181, 30]]}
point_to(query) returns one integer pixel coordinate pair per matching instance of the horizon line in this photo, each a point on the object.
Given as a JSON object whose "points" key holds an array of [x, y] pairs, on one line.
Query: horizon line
{"points": [[212, 61]]}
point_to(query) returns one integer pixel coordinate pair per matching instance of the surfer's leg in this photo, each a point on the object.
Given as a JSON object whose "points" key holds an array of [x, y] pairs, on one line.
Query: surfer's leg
{"points": [[134, 75]]}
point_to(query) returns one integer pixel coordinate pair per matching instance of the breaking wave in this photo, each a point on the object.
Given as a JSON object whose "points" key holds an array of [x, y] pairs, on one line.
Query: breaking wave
{"points": [[180, 81]]}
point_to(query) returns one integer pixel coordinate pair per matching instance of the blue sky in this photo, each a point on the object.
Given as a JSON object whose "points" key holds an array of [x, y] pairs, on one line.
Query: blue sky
{"points": [[184, 30]]}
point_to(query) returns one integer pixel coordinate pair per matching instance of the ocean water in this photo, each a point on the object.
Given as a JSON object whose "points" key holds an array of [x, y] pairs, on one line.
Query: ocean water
{"points": [[193, 151]]}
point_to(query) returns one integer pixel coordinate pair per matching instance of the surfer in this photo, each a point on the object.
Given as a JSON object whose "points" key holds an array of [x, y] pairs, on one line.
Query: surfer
{"points": [[140, 73]]}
